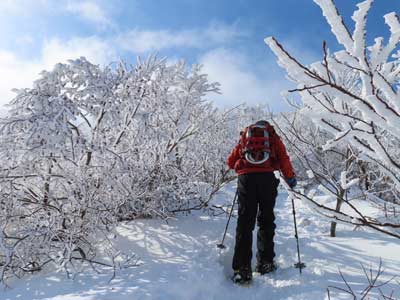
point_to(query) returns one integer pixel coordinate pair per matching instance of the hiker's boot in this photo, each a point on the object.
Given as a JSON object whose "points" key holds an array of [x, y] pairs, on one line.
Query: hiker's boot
{"points": [[242, 276], [266, 267]]}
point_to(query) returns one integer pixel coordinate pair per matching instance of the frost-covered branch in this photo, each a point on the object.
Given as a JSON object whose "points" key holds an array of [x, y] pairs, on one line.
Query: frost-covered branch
{"points": [[353, 95], [87, 147], [375, 286]]}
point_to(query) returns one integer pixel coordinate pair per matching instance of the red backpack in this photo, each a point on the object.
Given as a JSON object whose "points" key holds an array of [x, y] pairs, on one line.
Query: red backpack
{"points": [[255, 143]]}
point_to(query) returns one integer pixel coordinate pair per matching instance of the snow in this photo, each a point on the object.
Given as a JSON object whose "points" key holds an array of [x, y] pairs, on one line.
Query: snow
{"points": [[360, 19], [180, 261], [343, 181], [336, 22], [392, 20], [289, 63]]}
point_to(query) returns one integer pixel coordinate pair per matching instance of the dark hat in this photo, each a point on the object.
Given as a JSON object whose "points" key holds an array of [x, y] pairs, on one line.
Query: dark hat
{"points": [[262, 123]]}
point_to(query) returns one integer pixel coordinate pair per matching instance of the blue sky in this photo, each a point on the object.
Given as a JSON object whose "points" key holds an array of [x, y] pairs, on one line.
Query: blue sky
{"points": [[226, 36]]}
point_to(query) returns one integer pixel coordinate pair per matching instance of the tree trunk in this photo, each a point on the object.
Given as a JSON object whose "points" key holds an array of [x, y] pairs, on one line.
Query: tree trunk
{"points": [[339, 202], [46, 191]]}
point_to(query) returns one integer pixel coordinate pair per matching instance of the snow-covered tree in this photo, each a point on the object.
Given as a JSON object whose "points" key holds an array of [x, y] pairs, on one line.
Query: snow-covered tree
{"points": [[321, 171], [366, 115], [88, 146]]}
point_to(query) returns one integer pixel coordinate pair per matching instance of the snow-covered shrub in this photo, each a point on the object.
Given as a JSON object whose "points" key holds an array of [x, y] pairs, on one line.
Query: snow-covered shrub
{"points": [[89, 146], [364, 115]]}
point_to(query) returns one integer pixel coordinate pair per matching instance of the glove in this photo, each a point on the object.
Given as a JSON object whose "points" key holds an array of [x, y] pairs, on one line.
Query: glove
{"points": [[292, 182]]}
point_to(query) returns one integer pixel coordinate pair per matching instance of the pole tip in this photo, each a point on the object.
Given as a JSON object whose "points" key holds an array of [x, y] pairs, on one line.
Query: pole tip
{"points": [[299, 265]]}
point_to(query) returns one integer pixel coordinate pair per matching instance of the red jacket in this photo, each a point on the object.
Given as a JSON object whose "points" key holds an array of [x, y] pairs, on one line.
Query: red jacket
{"points": [[279, 160]]}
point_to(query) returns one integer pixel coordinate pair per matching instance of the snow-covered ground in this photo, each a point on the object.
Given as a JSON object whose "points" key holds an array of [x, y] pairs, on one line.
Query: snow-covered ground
{"points": [[181, 261]]}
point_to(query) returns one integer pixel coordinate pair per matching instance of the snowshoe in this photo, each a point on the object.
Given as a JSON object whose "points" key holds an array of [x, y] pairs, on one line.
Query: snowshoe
{"points": [[267, 267], [242, 277]]}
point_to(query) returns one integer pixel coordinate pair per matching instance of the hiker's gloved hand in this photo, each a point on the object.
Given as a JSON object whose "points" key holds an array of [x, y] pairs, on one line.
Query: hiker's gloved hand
{"points": [[292, 182]]}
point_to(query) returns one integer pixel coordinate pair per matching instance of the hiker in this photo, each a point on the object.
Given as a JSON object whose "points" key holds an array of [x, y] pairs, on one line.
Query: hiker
{"points": [[258, 154]]}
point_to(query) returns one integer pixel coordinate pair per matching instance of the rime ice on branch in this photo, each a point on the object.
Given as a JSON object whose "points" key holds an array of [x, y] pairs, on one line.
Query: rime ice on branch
{"points": [[367, 116], [87, 147]]}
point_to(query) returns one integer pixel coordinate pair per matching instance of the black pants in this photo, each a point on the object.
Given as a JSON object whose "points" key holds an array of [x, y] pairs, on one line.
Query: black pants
{"points": [[256, 196]]}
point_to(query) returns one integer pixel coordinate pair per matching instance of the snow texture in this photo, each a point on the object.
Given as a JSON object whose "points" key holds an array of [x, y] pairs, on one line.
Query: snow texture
{"points": [[336, 22], [181, 261], [310, 174]]}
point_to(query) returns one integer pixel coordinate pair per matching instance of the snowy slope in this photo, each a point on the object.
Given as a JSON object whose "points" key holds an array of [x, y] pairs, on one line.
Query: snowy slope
{"points": [[181, 261]]}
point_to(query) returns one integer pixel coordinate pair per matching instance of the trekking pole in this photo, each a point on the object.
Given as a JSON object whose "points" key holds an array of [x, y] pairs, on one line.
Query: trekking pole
{"points": [[221, 245], [299, 264]]}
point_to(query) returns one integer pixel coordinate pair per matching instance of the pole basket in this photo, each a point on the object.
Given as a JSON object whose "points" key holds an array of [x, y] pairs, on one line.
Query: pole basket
{"points": [[221, 246], [299, 266]]}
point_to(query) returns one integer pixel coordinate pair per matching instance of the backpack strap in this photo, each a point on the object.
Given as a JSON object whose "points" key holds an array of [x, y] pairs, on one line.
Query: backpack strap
{"points": [[273, 136], [242, 141]]}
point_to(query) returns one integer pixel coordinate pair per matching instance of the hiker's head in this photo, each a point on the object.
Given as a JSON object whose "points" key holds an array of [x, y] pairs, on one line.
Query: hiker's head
{"points": [[262, 123]]}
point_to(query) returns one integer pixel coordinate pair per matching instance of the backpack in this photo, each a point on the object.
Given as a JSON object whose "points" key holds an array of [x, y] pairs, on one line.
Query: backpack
{"points": [[255, 143]]}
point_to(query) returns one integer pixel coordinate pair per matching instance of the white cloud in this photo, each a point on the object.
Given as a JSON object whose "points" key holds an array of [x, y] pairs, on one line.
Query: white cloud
{"points": [[239, 82], [21, 6], [140, 41], [20, 73], [24, 40], [90, 11], [96, 50], [16, 73]]}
